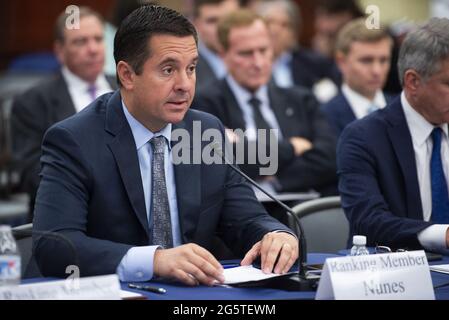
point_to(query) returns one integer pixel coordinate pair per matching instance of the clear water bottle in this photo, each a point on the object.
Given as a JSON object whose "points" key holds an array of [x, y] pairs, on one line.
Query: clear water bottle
{"points": [[359, 246], [9, 258]]}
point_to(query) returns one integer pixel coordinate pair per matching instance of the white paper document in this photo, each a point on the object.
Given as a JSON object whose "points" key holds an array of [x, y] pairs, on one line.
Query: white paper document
{"points": [[128, 295], [442, 268], [246, 274]]}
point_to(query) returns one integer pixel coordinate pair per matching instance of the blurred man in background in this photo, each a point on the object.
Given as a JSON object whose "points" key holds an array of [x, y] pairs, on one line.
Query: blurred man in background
{"points": [[293, 65], [247, 100], [363, 57], [393, 164], [207, 13], [330, 17], [81, 80]]}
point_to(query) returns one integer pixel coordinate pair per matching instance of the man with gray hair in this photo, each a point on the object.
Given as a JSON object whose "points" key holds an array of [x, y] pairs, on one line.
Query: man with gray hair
{"points": [[393, 165]]}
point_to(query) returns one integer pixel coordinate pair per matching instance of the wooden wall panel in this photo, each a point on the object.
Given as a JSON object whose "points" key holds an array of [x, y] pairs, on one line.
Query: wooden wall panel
{"points": [[27, 25], [308, 16]]}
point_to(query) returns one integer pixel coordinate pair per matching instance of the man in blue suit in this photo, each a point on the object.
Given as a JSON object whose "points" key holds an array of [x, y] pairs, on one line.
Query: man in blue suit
{"points": [[393, 165], [111, 186], [363, 57]]}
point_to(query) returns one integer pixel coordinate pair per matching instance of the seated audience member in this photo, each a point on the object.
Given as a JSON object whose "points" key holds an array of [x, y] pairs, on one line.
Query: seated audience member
{"points": [[330, 16], [393, 165], [363, 57], [293, 64], [120, 10], [247, 100], [112, 185], [207, 13], [81, 54]]}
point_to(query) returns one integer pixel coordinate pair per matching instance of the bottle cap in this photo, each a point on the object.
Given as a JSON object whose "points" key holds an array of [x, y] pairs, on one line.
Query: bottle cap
{"points": [[359, 240]]}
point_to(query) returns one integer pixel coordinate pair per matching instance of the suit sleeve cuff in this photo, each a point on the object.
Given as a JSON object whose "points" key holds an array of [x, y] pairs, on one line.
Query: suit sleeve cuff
{"points": [[137, 264], [433, 238]]}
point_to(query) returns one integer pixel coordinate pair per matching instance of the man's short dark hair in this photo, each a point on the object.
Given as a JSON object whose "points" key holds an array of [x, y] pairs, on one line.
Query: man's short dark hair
{"points": [[339, 6], [133, 35]]}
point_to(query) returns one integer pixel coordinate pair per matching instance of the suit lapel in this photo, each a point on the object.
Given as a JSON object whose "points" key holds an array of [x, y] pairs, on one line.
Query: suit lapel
{"points": [[234, 113], [347, 114], [188, 189], [283, 111], [123, 148], [64, 106], [403, 147]]}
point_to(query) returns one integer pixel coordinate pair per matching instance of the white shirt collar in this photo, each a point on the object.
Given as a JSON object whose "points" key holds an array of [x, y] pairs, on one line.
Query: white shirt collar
{"points": [[73, 81], [141, 134], [420, 128], [360, 104], [242, 95]]}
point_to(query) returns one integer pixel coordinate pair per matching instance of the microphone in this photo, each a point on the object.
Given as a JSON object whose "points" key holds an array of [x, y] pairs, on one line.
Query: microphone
{"points": [[299, 281], [25, 233]]}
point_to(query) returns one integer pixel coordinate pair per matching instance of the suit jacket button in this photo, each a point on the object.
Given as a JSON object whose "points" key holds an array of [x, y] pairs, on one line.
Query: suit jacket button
{"points": [[289, 112]]}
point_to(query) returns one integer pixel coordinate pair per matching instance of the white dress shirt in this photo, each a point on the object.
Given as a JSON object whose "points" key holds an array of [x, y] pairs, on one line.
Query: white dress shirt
{"points": [[243, 96], [361, 105], [433, 237], [78, 88]]}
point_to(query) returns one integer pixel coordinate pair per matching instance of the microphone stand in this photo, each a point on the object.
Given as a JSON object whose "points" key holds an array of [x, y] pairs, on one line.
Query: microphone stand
{"points": [[294, 282]]}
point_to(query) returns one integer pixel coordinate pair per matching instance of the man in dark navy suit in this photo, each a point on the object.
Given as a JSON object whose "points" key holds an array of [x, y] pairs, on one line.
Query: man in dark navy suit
{"points": [[393, 165], [247, 100], [363, 57], [110, 183], [207, 14], [81, 52]]}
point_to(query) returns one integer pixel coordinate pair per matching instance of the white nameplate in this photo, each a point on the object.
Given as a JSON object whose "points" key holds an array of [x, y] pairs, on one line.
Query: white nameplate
{"points": [[403, 275], [92, 288]]}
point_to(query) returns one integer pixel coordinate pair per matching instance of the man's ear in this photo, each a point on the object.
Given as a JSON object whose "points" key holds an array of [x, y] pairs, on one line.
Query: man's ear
{"points": [[126, 75], [412, 81]]}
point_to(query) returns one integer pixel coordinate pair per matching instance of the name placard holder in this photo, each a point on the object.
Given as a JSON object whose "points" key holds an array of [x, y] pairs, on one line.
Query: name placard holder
{"points": [[403, 275], [92, 288]]}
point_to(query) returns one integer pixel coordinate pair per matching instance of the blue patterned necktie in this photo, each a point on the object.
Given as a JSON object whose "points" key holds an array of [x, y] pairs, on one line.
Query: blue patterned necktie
{"points": [[440, 196], [160, 209]]}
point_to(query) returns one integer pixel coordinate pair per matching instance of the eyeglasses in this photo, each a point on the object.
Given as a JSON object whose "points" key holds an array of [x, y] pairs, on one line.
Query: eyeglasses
{"points": [[385, 249]]}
